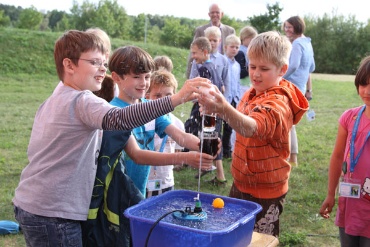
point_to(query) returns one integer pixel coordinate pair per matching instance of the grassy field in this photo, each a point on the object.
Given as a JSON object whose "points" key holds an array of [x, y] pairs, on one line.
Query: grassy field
{"points": [[22, 90]]}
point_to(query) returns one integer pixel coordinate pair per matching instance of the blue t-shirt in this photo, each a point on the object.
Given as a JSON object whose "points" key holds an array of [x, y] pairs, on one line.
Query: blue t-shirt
{"points": [[144, 136]]}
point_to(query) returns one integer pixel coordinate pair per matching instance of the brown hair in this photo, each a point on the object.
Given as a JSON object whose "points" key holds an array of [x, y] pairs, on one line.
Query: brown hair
{"points": [[107, 89], [363, 73], [71, 44], [298, 24], [164, 62], [131, 59], [203, 44], [163, 77]]}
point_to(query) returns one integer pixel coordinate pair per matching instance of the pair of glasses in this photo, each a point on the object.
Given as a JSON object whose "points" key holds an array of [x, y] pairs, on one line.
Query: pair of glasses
{"points": [[96, 62]]}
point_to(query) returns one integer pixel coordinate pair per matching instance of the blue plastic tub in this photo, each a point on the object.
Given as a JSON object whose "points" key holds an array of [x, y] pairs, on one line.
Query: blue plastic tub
{"points": [[230, 226]]}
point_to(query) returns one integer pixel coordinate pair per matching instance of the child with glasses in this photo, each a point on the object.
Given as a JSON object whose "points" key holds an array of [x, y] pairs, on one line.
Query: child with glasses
{"points": [[55, 188]]}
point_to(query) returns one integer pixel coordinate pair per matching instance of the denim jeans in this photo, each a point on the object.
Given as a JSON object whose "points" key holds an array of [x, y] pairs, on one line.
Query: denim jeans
{"points": [[40, 231]]}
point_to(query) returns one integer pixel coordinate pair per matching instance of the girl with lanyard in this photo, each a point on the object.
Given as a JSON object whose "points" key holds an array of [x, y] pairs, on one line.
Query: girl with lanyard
{"points": [[350, 168]]}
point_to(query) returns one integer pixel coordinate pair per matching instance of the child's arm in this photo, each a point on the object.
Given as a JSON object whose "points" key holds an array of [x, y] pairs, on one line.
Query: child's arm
{"points": [[138, 114], [335, 171], [182, 138], [186, 93], [244, 125], [154, 158]]}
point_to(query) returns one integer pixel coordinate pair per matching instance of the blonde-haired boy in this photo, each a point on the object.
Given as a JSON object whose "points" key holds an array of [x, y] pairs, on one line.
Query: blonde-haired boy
{"points": [[213, 34], [163, 83], [232, 90], [263, 120]]}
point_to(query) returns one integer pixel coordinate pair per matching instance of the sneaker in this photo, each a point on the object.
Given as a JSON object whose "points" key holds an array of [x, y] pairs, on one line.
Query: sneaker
{"points": [[216, 182], [204, 172]]}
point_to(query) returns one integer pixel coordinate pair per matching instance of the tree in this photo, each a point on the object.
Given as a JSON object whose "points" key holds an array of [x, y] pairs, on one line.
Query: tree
{"points": [[30, 18], [55, 16], [269, 21], [63, 24], [173, 34], [137, 32], [4, 20]]}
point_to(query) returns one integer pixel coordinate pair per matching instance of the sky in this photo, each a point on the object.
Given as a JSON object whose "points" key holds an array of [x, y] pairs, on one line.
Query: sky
{"points": [[198, 9]]}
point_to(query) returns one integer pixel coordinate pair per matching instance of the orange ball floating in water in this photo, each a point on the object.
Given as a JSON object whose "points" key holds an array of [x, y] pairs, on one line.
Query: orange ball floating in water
{"points": [[218, 203]]}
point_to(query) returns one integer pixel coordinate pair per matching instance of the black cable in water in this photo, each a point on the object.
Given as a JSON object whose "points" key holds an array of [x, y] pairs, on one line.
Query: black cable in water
{"points": [[156, 223]]}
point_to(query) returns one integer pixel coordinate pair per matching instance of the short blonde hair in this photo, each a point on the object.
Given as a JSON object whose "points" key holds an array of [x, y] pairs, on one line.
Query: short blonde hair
{"points": [[213, 30], [232, 39], [164, 62], [163, 77], [270, 46], [247, 32]]}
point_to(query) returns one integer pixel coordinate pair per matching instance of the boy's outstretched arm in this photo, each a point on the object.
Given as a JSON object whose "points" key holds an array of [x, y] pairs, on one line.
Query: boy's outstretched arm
{"points": [[189, 90], [244, 125], [186, 140], [155, 158]]}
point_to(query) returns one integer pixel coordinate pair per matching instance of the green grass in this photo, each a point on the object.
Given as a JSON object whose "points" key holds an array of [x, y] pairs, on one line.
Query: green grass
{"points": [[26, 83]]}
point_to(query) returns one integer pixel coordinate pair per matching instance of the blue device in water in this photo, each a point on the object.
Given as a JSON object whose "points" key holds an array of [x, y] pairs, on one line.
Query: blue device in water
{"points": [[197, 215]]}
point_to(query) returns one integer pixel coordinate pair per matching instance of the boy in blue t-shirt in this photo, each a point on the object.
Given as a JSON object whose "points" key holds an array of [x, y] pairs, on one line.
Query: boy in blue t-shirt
{"points": [[131, 69]]}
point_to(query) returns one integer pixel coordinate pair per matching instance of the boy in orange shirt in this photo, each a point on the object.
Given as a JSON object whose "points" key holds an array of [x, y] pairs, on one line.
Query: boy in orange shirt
{"points": [[262, 120]]}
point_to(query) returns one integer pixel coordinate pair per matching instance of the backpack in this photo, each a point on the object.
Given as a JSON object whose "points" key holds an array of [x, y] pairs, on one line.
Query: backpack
{"points": [[8, 227], [113, 193]]}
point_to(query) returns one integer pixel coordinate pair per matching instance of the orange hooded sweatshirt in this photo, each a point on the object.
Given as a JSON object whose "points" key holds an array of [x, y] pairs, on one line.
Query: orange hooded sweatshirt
{"points": [[259, 165]]}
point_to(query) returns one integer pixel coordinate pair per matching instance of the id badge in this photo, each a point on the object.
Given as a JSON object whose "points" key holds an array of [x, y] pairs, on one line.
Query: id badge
{"points": [[350, 188], [154, 185]]}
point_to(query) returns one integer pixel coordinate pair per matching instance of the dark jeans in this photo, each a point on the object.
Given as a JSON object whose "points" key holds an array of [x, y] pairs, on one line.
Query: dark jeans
{"points": [[227, 130], [267, 221], [40, 231], [347, 240]]}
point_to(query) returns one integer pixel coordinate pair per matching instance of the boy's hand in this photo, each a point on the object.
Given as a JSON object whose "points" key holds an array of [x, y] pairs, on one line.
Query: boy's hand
{"points": [[190, 90], [212, 105], [193, 158]]}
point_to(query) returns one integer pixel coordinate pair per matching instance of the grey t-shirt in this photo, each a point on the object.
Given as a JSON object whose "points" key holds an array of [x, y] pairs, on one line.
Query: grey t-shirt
{"points": [[60, 175]]}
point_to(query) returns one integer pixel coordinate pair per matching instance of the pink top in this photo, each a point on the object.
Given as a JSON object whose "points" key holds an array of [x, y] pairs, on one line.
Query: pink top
{"points": [[354, 213]]}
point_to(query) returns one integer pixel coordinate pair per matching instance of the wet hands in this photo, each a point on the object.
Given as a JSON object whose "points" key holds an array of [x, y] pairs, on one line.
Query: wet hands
{"points": [[211, 102], [195, 159], [190, 90]]}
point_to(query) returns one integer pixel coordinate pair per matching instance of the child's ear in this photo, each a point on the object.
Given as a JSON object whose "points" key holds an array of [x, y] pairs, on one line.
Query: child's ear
{"points": [[283, 69], [68, 64], [116, 77]]}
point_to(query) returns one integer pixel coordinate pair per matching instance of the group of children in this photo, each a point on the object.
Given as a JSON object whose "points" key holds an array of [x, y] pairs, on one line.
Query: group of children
{"points": [[55, 188], [67, 140]]}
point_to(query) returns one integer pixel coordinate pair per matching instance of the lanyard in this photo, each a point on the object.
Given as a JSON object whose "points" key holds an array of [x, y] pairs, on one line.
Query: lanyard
{"points": [[353, 159], [164, 140]]}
